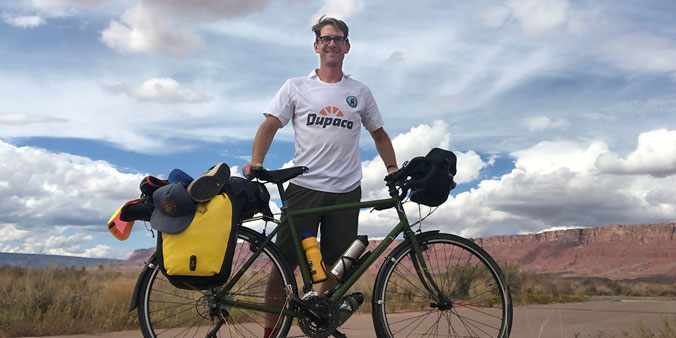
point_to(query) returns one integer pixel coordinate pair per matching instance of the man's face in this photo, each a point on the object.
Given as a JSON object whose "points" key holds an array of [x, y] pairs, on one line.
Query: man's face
{"points": [[331, 54]]}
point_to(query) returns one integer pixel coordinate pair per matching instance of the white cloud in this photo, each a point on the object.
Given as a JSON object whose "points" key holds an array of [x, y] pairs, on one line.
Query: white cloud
{"points": [[540, 123], [143, 31], [53, 242], [168, 27], [469, 165], [558, 229], [9, 232], [558, 184], [641, 53], [655, 155], [104, 251], [23, 21], [551, 156], [44, 194], [536, 18], [165, 90], [21, 119], [339, 9], [42, 189]]}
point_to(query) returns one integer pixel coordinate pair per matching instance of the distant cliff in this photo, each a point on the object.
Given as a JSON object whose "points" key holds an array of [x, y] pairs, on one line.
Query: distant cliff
{"points": [[644, 251]]}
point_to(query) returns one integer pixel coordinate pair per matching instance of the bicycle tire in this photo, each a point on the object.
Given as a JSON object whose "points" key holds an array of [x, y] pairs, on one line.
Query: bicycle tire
{"points": [[480, 302], [166, 311]]}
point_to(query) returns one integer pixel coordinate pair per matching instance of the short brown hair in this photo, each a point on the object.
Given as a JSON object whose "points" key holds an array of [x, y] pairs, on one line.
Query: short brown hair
{"points": [[326, 20]]}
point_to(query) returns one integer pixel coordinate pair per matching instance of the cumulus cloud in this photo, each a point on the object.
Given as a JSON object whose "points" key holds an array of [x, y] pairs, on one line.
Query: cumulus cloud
{"points": [[541, 123], [22, 119], [44, 194], [165, 90], [655, 155], [23, 21], [9, 232], [41, 189], [641, 53], [560, 184]]}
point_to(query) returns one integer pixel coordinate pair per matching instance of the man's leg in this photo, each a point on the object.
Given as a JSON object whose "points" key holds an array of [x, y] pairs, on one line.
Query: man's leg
{"points": [[298, 198], [274, 296], [338, 231]]}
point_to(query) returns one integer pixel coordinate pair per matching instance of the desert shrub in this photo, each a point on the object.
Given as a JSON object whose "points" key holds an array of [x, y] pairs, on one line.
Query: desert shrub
{"points": [[55, 301], [533, 288]]}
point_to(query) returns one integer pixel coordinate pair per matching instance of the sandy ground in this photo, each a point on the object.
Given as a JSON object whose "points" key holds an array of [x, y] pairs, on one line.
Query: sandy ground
{"points": [[575, 320]]}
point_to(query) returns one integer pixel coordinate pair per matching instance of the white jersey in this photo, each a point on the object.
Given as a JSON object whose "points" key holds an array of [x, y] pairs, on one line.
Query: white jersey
{"points": [[327, 119]]}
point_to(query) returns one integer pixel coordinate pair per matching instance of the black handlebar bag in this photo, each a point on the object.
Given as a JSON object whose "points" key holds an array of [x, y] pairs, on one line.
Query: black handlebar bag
{"points": [[196, 241], [432, 177]]}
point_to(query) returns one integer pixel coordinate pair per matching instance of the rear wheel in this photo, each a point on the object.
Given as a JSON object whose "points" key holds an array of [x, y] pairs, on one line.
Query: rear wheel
{"points": [[166, 311], [474, 300]]}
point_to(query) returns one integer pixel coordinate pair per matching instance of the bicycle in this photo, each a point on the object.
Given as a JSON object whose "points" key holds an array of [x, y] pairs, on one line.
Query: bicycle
{"points": [[431, 284]]}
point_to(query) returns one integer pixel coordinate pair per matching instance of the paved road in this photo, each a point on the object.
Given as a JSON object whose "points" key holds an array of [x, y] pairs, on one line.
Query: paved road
{"points": [[539, 321]]}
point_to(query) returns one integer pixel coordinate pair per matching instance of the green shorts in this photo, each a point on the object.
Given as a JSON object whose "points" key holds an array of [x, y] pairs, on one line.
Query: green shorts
{"points": [[336, 230]]}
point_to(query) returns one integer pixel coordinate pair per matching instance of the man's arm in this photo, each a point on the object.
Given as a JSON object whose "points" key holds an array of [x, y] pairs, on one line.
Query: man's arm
{"points": [[385, 149], [264, 136]]}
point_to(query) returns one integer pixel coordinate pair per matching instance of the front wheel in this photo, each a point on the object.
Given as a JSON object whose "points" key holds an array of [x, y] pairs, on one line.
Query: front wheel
{"points": [[166, 311], [473, 299]]}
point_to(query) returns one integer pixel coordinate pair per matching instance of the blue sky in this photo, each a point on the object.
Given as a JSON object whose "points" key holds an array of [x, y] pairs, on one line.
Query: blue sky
{"points": [[561, 112]]}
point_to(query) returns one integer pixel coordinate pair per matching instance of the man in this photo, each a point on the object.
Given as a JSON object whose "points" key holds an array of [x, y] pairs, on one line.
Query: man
{"points": [[327, 109]]}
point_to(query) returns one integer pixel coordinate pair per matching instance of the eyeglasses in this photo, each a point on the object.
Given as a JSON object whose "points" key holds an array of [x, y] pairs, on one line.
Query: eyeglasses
{"points": [[338, 40]]}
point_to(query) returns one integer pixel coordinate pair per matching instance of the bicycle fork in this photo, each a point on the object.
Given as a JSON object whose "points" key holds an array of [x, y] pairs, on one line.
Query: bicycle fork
{"points": [[443, 301]]}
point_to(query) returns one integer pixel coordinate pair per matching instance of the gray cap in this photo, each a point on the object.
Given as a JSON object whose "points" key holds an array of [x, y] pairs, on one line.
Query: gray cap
{"points": [[174, 209]]}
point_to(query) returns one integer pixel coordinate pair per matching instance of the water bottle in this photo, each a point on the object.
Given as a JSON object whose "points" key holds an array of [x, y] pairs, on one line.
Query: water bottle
{"points": [[314, 257], [350, 256], [349, 306]]}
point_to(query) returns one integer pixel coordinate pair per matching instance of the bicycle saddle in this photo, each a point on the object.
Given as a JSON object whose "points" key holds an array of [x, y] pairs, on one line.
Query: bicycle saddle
{"points": [[278, 176]]}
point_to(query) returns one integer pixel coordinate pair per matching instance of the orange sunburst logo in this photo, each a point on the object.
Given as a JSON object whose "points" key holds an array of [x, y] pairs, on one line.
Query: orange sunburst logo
{"points": [[330, 110]]}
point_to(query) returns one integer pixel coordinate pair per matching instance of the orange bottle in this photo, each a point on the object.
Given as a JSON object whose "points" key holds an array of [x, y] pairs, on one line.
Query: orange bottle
{"points": [[314, 257]]}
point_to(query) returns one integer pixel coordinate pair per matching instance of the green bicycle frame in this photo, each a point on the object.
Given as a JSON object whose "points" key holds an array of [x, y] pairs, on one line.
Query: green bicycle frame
{"points": [[355, 273]]}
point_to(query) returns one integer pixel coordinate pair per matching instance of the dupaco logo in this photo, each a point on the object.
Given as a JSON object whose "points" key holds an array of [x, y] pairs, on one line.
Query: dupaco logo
{"points": [[329, 116]]}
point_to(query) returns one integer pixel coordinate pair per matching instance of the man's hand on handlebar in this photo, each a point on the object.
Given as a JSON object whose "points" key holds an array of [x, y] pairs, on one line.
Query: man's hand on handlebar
{"points": [[394, 169], [246, 169]]}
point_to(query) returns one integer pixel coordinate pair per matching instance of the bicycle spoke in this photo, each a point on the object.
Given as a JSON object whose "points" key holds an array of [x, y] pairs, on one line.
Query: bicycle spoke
{"points": [[472, 304], [466, 322], [173, 312]]}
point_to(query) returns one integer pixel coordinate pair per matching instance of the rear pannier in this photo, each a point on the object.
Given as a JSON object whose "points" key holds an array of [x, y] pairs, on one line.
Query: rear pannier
{"points": [[196, 241]]}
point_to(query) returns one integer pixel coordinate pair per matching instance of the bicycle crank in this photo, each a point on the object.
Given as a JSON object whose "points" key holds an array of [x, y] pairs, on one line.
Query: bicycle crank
{"points": [[328, 320]]}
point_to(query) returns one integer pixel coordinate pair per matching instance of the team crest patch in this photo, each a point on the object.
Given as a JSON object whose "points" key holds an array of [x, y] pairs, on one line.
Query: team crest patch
{"points": [[352, 101]]}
